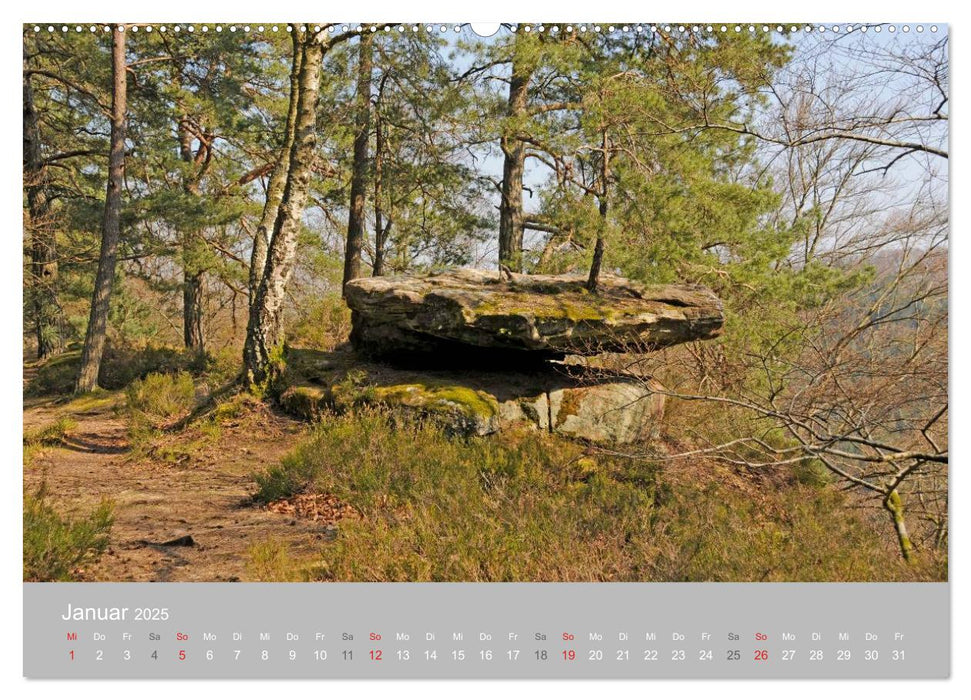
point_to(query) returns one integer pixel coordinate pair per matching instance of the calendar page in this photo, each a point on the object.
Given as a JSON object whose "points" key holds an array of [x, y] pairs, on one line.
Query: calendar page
{"points": [[469, 351]]}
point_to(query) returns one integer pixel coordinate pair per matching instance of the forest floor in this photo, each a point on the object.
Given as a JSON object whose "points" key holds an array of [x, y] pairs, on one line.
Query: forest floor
{"points": [[203, 492]]}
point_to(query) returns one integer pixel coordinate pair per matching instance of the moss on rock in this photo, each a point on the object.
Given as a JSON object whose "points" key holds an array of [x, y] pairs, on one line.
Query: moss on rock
{"points": [[306, 401], [569, 404], [461, 410], [462, 312], [608, 409]]}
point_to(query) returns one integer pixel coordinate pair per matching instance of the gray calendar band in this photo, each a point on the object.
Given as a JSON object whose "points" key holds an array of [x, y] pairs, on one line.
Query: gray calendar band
{"points": [[619, 630]]}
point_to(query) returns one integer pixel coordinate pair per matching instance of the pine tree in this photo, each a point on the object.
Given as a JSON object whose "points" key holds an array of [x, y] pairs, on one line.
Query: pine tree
{"points": [[66, 86], [428, 201], [94, 340], [40, 225], [360, 167], [201, 143]]}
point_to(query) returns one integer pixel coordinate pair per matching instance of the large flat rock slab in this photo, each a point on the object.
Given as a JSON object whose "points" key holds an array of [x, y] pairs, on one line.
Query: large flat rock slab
{"points": [[474, 312]]}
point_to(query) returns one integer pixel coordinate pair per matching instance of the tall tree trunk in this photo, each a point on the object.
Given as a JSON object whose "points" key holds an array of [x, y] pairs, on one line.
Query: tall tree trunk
{"points": [[278, 178], [192, 311], [380, 229], [593, 281], [511, 218], [192, 277], [94, 339], [262, 333], [43, 250], [355, 220]]}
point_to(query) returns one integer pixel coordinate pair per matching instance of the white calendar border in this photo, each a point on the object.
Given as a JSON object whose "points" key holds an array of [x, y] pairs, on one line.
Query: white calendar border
{"points": [[452, 12]]}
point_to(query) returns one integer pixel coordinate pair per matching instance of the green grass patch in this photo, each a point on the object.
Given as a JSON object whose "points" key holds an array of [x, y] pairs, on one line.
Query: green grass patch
{"points": [[30, 454], [97, 401], [154, 401], [49, 435], [271, 560], [162, 396], [55, 547]]}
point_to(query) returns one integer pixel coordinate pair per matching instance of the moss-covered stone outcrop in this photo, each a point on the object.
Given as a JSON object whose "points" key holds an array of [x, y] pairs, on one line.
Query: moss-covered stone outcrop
{"points": [[482, 316], [597, 407], [482, 352]]}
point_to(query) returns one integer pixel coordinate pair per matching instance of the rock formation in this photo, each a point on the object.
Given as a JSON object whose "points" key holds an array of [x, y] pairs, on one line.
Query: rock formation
{"points": [[480, 353], [599, 407], [539, 316]]}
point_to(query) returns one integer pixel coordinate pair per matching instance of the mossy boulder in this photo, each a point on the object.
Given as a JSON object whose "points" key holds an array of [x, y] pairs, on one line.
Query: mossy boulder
{"points": [[305, 401], [463, 411], [620, 410], [476, 316], [460, 410], [596, 406], [314, 383]]}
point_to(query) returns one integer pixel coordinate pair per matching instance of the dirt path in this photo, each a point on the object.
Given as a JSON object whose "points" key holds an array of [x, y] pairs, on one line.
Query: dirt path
{"points": [[198, 484]]}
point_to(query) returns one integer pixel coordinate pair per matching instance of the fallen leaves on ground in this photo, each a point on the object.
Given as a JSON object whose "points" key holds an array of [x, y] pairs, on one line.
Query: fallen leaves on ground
{"points": [[323, 507]]}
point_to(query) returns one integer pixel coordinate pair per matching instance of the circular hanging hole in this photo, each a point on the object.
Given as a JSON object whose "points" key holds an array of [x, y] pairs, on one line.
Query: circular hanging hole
{"points": [[486, 29]]}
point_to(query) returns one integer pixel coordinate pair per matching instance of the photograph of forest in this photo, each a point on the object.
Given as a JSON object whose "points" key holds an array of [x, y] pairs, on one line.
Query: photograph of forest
{"points": [[395, 302]]}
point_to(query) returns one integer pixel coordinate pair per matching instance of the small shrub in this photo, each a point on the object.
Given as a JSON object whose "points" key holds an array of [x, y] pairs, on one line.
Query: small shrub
{"points": [[124, 365], [812, 473], [270, 560], [56, 376], [141, 434], [222, 367], [52, 434], [232, 408], [801, 533], [56, 547], [324, 326], [119, 367], [440, 508], [30, 452], [292, 476], [162, 396], [154, 401]]}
